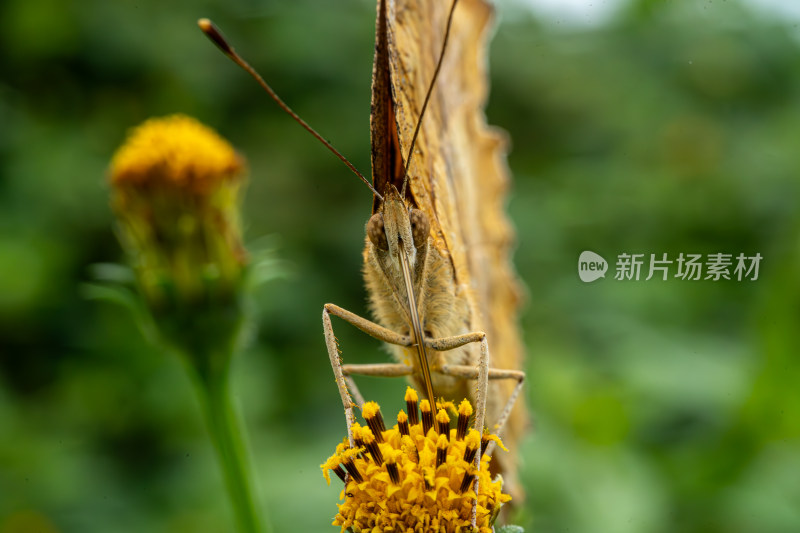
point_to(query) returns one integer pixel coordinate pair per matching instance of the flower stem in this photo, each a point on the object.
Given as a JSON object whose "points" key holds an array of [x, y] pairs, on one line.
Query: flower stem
{"points": [[225, 429]]}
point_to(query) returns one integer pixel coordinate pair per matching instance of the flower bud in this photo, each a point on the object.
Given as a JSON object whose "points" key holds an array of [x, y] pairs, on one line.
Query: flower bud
{"points": [[175, 189]]}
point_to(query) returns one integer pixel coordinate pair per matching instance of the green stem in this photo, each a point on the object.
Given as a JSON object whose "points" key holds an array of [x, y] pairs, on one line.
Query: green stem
{"points": [[226, 434]]}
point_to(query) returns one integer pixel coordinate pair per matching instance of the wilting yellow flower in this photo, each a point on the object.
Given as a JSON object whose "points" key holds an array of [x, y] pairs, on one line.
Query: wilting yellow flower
{"points": [[416, 476], [175, 190]]}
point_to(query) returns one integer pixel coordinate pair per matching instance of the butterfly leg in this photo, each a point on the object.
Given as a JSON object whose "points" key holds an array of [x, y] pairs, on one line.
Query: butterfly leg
{"points": [[342, 373], [483, 374], [470, 372]]}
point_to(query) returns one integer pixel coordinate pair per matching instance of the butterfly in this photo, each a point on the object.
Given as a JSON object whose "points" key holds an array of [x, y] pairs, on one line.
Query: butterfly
{"points": [[444, 203]]}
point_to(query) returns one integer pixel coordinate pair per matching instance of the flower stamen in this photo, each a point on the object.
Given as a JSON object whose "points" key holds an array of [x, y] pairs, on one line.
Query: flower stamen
{"points": [[391, 467], [411, 406], [427, 416], [340, 473], [466, 482], [350, 466], [443, 424], [372, 414], [402, 423], [464, 412], [472, 443], [441, 450], [372, 446], [357, 440]]}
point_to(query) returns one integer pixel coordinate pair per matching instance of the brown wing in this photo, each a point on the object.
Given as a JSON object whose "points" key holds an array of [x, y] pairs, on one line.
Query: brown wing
{"points": [[387, 162], [458, 174]]}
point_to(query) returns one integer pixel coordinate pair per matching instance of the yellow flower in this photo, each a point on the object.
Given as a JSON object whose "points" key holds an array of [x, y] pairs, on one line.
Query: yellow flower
{"points": [[176, 150], [416, 476], [175, 190]]}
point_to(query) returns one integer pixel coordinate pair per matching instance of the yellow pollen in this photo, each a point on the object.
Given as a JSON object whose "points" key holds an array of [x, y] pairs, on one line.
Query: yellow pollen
{"points": [[370, 409], [442, 417], [491, 437], [367, 436], [332, 462], [350, 453], [411, 395], [465, 408], [407, 445], [473, 439], [441, 404]]}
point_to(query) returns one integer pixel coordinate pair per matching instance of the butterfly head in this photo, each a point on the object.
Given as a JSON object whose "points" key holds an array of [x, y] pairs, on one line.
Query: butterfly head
{"points": [[397, 221]]}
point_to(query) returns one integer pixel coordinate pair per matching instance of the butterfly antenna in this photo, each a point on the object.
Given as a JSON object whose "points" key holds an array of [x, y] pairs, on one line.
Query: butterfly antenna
{"points": [[428, 97], [216, 37]]}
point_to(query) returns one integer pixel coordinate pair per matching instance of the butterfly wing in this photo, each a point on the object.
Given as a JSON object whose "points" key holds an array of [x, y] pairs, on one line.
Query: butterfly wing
{"points": [[458, 174]]}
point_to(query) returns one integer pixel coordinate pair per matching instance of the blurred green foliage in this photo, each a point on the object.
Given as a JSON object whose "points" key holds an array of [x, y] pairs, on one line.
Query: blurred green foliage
{"points": [[658, 405]]}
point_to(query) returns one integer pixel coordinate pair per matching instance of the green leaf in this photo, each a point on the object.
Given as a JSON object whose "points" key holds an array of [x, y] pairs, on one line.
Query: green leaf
{"points": [[112, 272], [509, 529]]}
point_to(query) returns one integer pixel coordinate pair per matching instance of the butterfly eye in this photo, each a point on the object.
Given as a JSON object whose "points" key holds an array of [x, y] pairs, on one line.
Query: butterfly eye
{"points": [[376, 232], [420, 227]]}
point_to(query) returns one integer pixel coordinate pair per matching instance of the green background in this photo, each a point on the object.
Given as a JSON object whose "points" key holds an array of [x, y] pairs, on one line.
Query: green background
{"points": [[658, 406]]}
